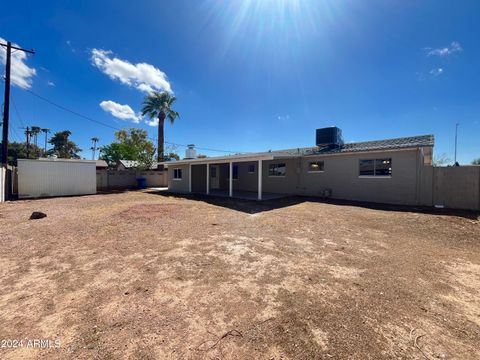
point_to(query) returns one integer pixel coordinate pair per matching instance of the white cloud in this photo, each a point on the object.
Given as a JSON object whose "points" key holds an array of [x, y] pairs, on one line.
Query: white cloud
{"points": [[50, 83], [446, 51], [143, 76], [21, 74], [436, 72], [151, 122], [283, 117], [120, 111]]}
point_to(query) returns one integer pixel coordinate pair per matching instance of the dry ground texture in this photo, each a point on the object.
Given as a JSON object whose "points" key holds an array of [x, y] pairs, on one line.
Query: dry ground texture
{"points": [[140, 275]]}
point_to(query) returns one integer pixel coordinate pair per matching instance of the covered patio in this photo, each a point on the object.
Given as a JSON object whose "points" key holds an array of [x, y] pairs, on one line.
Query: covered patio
{"points": [[238, 176]]}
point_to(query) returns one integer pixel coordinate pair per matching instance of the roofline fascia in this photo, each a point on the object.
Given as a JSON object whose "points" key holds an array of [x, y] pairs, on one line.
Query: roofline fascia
{"points": [[217, 160], [370, 151], [274, 157]]}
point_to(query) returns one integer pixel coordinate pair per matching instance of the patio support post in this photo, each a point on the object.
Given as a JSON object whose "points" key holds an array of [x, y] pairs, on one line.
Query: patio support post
{"points": [[260, 177], [190, 178], [231, 179], [208, 178]]}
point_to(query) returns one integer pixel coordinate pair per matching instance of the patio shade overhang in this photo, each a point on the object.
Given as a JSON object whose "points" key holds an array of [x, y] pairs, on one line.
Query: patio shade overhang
{"points": [[258, 158], [227, 159]]}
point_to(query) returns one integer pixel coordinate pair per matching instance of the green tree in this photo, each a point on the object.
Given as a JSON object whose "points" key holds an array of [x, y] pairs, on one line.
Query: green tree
{"points": [[131, 144], [34, 131], [476, 162], [17, 150], [158, 105], [63, 147]]}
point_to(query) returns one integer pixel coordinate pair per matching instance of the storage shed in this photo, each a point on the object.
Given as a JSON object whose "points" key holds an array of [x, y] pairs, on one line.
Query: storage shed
{"points": [[48, 177]]}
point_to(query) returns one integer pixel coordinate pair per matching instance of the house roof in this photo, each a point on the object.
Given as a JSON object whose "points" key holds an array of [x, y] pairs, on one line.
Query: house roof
{"points": [[376, 145], [129, 164], [101, 163]]}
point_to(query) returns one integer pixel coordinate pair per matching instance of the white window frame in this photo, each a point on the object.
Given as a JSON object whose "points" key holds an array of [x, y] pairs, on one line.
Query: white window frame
{"points": [[315, 171], [175, 171], [374, 169], [277, 176]]}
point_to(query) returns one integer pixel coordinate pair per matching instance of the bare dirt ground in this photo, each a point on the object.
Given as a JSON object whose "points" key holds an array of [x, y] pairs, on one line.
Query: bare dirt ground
{"points": [[148, 276]]}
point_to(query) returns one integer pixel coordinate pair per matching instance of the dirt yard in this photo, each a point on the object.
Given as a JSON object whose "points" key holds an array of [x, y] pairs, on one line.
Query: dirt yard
{"points": [[148, 276]]}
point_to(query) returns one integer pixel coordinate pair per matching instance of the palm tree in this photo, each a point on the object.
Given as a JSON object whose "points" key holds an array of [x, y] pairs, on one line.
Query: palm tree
{"points": [[46, 131], [158, 105], [94, 146], [34, 131]]}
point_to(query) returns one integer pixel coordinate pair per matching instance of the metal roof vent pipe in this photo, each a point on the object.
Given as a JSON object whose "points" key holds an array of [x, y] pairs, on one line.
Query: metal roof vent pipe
{"points": [[190, 153]]}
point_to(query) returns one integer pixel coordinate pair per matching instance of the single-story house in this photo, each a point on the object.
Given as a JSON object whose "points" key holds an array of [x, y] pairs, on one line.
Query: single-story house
{"points": [[383, 171]]}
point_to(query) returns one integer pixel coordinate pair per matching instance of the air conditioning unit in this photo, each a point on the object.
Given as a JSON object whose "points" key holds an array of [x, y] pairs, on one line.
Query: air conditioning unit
{"points": [[329, 137]]}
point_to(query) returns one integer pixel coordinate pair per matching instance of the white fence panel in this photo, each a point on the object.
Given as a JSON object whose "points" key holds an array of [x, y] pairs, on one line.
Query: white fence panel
{"points": [[3, 179]]}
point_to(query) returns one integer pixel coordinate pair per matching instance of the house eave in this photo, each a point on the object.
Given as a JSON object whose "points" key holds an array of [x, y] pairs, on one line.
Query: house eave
{"points": [[221, 160]]}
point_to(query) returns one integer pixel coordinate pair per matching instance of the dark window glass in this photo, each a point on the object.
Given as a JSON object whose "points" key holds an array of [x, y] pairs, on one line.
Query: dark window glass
{"points": [[277, 169], [367, 167], [383, 167], [251, 168], [213, 172], [376, 167], [177, 173], [316, 166], [235, 172]]}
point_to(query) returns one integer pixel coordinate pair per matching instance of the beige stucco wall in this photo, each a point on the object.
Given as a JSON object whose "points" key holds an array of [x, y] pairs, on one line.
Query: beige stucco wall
{"points": [[178, 185], [289, 184], [341, 176], [246, 181]]}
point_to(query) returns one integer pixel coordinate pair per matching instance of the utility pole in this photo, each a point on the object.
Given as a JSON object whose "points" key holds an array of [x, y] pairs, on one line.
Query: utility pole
{"points": [[94, 147], [456, 138], [6, 104], [27, 133]]}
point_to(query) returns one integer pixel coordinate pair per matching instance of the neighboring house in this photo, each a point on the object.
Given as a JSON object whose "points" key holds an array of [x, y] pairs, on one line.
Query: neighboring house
{"points": [[101, 164], [130, 164], [383, 171]]}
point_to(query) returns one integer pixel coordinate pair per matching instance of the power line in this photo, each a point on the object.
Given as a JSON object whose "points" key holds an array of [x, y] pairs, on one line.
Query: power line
{"points": [[113, 127], [17, 112]]}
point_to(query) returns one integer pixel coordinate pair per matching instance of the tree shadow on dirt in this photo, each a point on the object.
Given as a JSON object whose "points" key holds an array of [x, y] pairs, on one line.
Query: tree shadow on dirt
{"points": [[254, 207]]}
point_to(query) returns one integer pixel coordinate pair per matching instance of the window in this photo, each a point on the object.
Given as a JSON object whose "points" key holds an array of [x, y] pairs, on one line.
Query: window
{"points": [[376, 167], [251, 169], [177, 174], [213, 172], [235, 172], [277, 169], [316, 166]]}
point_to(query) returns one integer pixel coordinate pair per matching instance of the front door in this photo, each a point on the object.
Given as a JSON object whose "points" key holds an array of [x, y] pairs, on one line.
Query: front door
{"points": [[214, 176]]}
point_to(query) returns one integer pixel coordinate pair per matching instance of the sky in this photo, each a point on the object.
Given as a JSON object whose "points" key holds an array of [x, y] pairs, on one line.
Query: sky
{"points": [[249, 75]]}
